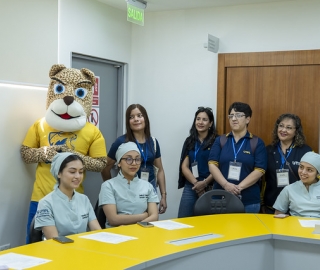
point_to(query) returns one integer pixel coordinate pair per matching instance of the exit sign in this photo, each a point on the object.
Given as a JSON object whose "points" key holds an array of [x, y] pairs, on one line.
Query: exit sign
{"points": [[135, 15]]}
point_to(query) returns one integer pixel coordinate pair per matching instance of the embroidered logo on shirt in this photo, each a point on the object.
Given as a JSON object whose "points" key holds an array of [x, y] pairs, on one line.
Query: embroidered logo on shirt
{"points": [[143, 196], [85, 216], [246, 152], [43, 213], [297, 163], [318, 197]]}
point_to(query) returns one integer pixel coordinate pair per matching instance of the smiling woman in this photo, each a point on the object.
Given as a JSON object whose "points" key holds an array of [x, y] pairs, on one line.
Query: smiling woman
{"points": [[138, 132], [284, 156], [65, 211], [194, 173], [302, 197], [127, 199]]}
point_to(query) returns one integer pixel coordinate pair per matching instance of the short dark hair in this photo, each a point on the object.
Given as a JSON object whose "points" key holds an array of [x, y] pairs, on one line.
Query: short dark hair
{"points": [[298, 139], [129, 135], [241, 107]]}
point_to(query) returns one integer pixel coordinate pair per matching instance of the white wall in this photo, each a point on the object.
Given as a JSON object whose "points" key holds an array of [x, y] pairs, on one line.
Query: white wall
{"points": [[95, 29], [19, 108], [28, 48], [172, 74], [29, 40]]}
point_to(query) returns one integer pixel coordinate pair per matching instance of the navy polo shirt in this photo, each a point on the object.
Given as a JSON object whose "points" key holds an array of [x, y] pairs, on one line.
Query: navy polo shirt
{"points": [[272, 190], [202, 160], [148, 147], [250, 162]]}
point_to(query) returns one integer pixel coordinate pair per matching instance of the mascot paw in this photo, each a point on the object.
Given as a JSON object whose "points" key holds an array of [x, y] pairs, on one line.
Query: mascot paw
{"points": [[65, 148], [47, 153]]}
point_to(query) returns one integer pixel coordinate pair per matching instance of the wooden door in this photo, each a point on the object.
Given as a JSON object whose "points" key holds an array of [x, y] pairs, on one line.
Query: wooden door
{"points": [[272, 83]]}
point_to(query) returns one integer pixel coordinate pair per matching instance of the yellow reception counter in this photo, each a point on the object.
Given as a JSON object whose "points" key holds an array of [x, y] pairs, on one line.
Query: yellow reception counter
{"points": [[244, 242]]}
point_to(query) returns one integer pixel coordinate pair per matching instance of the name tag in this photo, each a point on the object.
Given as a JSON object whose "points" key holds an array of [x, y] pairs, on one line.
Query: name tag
{"points": [[234, 170], [194, 167], [145, 174], [282, 177]]}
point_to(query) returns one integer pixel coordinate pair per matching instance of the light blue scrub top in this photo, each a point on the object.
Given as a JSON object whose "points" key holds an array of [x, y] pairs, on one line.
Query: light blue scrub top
{"points": [[299, 201], [130, 199], [69, 216]]}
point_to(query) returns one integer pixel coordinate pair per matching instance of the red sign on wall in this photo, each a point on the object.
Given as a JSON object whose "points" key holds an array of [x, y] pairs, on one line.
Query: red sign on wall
{"points": [[96, 91], [94, 117]]}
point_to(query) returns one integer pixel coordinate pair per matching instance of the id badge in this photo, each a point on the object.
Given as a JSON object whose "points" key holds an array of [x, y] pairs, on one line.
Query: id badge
{"points": [[145, 174], [282, 177], [234, 170], [194, 167]]}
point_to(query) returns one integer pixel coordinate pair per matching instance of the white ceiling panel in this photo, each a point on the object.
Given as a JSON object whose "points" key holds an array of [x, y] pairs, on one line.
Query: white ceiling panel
{"points": [[163, 5]]}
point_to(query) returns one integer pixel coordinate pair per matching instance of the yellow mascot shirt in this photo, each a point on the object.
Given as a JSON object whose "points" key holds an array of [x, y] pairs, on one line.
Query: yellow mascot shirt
{"points": [[87, 141]]}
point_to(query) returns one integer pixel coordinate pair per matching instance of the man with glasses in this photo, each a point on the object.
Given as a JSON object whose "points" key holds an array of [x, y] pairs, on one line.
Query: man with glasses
{"points": [[234, 165]]}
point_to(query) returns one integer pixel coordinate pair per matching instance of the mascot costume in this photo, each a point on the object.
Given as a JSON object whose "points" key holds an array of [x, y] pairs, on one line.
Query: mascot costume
{"points": [[63, 129]]}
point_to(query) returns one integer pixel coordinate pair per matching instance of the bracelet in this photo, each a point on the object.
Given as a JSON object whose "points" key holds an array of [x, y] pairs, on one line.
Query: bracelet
{"points": [[205, 180], [225, 184], [165, 193]]}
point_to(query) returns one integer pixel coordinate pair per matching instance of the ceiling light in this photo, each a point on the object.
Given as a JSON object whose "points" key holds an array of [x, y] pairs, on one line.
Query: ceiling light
{"points": [[138, 3]]}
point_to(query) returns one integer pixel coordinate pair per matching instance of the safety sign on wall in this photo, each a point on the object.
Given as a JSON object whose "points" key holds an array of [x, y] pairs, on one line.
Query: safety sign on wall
{"points": [[94, 115], [95, 93]]}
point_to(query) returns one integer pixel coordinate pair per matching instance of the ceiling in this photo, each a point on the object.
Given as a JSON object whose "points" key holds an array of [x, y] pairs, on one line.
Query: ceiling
{"points": [[165, 5]]}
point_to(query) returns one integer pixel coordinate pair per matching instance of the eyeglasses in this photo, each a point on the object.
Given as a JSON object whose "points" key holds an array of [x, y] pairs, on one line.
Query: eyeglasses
{"points": [[236, 115], [205, 108], [288, 128], [130, 160]]}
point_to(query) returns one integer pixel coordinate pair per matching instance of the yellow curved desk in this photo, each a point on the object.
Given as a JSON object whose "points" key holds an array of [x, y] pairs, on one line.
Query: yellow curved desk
{"points": [[247, 241]]}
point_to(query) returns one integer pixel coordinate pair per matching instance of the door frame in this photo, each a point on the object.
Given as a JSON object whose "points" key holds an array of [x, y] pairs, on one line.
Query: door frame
{"points": [[122, 86]]}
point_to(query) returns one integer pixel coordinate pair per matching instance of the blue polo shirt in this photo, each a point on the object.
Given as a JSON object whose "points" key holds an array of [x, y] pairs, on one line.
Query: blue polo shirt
{"points": [[147, 147], [250, 162]]}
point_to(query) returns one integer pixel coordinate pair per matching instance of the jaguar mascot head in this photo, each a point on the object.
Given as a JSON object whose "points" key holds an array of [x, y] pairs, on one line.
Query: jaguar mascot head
{"points": [[69, 97]]}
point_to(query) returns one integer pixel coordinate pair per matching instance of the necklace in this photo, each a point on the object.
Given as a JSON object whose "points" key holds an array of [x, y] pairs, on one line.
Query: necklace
{"points": [[142, 146]]}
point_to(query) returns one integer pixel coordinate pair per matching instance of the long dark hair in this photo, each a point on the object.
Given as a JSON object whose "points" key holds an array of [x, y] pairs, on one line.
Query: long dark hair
{"points": [[129, 135], [298, 139], [212, 133]]}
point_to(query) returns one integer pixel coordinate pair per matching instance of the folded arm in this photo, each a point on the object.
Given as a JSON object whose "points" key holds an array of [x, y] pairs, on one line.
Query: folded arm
{"points": [[115, 219]]}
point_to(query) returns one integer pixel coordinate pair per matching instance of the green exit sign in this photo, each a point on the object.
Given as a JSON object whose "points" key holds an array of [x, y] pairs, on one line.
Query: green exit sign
{"points": [[135, 15]]}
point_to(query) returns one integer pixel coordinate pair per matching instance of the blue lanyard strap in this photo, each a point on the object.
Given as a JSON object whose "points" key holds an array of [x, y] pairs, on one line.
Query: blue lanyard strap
{"points": [[144, 155], [234, 149], [196, 150], [283, 157]]}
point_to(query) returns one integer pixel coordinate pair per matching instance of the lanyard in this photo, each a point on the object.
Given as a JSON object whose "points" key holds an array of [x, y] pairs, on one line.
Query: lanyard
{"points": [[283, 157], [144, 155], [196, 150], [234, 149]]}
